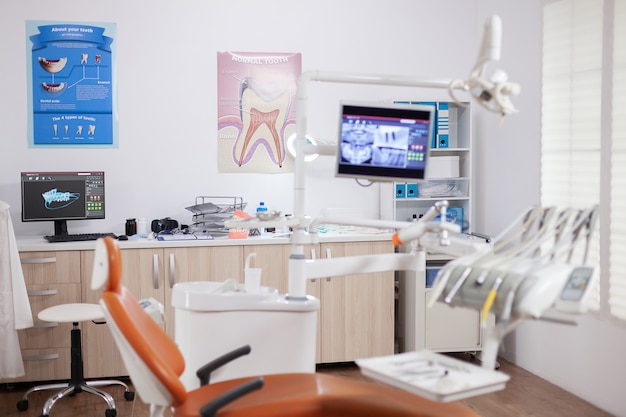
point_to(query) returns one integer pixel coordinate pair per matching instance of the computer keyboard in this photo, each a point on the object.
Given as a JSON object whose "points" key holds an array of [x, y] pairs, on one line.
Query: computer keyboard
{"points": [[81, 237]]}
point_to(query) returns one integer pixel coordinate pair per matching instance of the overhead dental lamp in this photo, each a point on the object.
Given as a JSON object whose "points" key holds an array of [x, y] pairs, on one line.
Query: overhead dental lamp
{"points": [[493, 93]]}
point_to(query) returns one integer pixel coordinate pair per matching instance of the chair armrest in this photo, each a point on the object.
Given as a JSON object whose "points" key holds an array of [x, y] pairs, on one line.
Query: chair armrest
{"points": [[204, 373], [210, 409]]}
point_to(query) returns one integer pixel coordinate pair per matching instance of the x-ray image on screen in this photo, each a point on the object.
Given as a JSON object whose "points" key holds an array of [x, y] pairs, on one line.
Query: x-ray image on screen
{"points": [[357, 141], [384, 141], [390, 146]]}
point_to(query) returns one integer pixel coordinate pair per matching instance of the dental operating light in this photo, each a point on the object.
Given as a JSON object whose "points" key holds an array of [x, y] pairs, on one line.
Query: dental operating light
{"points": [[492, 93]]}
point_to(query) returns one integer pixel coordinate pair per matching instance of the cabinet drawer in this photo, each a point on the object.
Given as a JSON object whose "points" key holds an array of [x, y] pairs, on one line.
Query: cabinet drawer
{"points": [[45, 364], [51, 267], [45, 334], [451, 328]]}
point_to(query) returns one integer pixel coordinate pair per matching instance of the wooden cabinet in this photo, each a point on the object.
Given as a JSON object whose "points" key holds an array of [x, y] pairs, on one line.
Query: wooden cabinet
{"points": [[356, 317], [214, 263], [357, 311], [51, 278]]}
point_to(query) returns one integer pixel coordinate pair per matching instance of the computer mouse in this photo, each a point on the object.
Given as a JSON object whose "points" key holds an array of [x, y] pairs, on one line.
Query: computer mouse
{"points": [[122, 237]]}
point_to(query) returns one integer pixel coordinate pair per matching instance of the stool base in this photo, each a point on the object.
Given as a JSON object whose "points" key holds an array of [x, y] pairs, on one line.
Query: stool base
{"points": [[77, 383]]}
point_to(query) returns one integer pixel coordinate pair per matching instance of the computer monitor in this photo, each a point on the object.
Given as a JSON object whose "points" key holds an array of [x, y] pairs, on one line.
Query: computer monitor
{"points": [[62, 196], [384, 141]]}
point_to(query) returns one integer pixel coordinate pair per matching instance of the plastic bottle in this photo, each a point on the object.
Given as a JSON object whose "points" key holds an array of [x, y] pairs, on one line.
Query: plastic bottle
{"points": [[142, 227], [131, 227], [261, 207]]}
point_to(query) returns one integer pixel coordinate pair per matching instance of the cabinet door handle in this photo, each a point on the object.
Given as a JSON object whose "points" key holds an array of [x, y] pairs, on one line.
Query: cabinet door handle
{"points": [[172, 270], [155, 271], [41, 292], [329, 255], [38, 260], [47, 357]]}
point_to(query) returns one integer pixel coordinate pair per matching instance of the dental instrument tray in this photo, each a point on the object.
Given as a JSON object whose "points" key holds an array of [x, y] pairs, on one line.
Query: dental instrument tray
{"points": [[210, 213], [433, 375]]}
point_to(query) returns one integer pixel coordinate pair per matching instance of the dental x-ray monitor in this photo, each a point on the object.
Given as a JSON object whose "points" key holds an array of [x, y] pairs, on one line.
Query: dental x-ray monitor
{"points": [[384, 141]]}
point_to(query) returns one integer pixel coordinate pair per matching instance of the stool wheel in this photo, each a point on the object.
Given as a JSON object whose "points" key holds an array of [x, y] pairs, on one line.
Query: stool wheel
{"points": [[129, 395], [111, 412], [22, 405]]}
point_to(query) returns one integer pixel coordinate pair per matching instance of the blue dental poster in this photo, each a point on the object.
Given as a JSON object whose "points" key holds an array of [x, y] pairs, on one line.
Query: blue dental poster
{"points": [[71, 85]]}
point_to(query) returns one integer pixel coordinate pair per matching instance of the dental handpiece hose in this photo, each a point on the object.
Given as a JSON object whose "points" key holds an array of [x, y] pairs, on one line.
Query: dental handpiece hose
{"points": [[417, 230]]}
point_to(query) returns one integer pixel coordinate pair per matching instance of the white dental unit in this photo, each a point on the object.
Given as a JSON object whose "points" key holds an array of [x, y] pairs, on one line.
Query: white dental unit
{"points": [[522, 274]]}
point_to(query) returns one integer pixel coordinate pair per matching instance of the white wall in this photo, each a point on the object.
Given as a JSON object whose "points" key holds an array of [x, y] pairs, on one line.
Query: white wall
{"points": [[167, 108], [168, 103]]}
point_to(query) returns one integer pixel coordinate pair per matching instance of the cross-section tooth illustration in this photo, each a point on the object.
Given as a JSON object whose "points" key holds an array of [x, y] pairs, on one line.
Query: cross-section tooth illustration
{"points": [[264, 110], [52, 65], [53, 88]]}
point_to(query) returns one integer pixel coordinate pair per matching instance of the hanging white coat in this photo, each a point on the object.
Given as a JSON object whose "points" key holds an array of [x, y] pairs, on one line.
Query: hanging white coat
{"points": [[15, 312]]}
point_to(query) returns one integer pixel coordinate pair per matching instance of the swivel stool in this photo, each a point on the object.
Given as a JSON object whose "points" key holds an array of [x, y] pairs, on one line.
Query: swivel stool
{"points": [[75, 313]]}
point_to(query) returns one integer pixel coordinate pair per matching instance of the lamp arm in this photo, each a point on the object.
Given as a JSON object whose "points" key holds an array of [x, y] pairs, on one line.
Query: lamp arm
{"points": [[301, 269], [429, 234], [490, 46]]}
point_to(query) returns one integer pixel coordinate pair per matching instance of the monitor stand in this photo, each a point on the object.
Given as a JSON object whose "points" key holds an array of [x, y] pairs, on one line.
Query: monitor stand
{"points": [[60, 227]]}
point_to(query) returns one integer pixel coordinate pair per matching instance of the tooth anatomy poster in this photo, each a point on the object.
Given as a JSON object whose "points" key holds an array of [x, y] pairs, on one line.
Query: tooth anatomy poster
{"points": [[256, 110], [71, 84]]}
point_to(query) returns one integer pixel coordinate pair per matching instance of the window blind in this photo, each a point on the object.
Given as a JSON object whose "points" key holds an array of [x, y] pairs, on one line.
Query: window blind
{"points": [[571, 103], [617, 257], [576, 33]]}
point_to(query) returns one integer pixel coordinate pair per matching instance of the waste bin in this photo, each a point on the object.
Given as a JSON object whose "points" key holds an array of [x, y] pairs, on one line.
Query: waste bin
{"points": [[213, 318]]}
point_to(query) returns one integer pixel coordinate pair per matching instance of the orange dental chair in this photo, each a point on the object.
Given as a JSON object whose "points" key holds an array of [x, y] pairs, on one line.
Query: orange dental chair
{"points": [[155, 364]]}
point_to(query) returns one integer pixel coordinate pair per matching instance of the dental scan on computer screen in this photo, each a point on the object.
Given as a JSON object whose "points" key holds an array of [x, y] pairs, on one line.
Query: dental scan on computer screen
{"points": [[384, 141]]}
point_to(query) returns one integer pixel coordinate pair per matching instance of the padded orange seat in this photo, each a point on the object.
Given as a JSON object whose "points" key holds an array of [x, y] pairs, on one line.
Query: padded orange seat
{"points": [[321, 395]]}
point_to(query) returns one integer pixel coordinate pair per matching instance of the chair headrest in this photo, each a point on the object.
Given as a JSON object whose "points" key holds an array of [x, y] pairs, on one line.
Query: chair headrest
{"points": [[107, 265]]}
